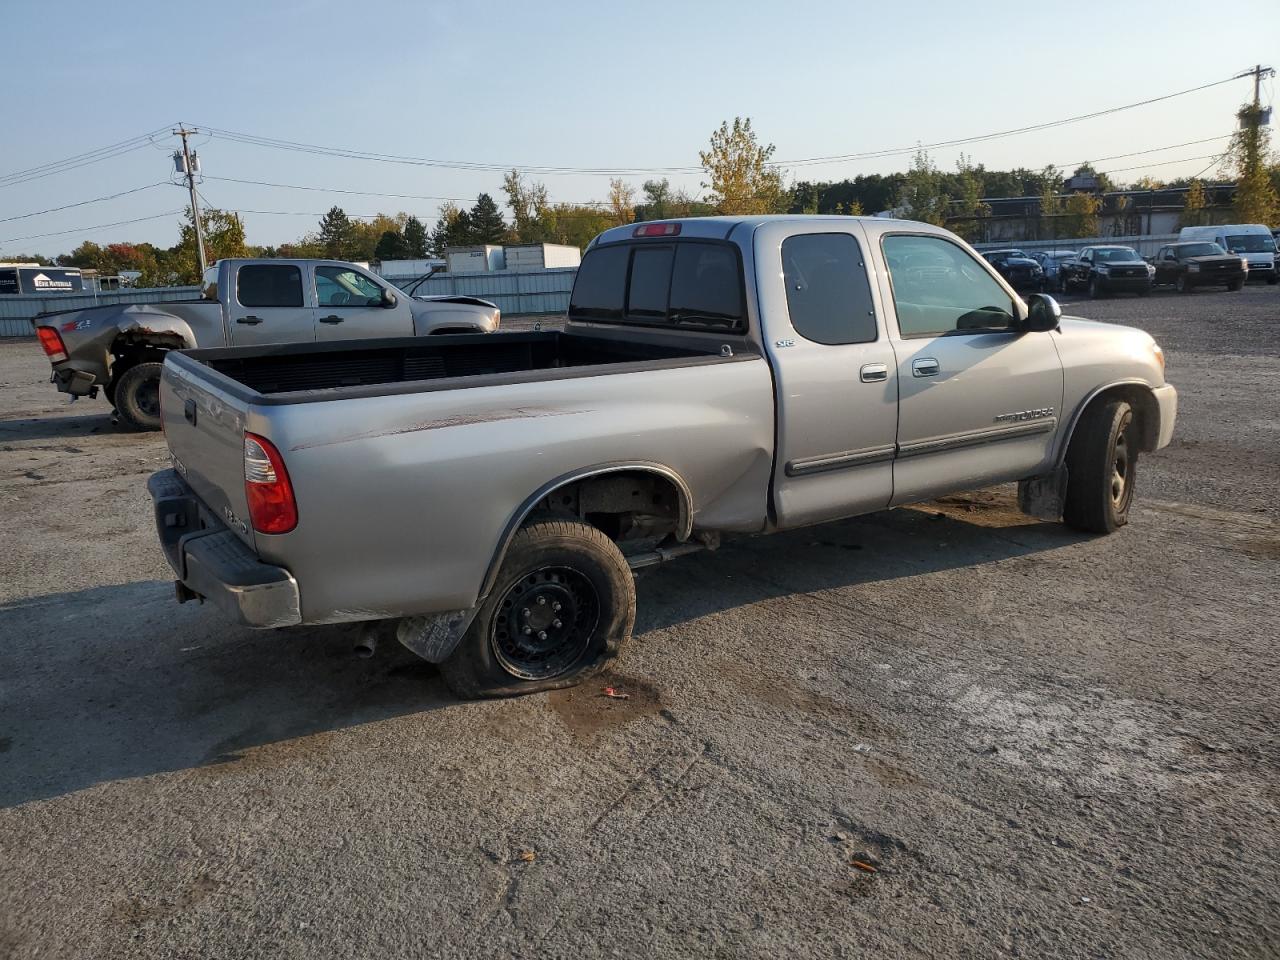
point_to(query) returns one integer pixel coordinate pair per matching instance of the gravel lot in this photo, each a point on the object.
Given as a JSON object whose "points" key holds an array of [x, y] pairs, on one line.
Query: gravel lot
{"points": [[1045, 745]]}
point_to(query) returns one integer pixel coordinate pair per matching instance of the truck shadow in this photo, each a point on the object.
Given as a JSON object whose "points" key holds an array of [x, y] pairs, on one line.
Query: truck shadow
{"points": [[117, 682], [61, 427]]}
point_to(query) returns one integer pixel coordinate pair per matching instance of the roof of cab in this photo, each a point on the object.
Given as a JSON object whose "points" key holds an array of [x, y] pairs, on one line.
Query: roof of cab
{"points": [[719, 228]]}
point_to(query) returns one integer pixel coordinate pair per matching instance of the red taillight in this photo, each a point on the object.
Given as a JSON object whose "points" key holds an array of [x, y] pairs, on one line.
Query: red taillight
{"points": [[657, 230], [51, 343], [266, 486]]}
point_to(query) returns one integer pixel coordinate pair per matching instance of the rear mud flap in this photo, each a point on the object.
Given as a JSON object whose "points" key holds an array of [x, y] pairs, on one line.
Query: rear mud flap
{"points": [[434, 636]]}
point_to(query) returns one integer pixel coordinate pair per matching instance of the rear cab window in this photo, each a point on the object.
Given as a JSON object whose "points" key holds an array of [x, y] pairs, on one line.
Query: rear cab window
{"points": [[686, 283], [269, 285]]}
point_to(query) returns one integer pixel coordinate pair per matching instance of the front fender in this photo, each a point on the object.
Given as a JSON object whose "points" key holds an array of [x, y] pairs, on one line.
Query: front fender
{"points": [[432, 317]]}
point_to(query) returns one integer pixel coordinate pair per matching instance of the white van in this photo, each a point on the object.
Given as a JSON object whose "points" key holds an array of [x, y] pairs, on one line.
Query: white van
{"points": [[1252, 241]]}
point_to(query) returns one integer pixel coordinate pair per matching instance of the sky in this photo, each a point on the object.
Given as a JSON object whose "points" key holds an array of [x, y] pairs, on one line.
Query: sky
{"points": [[594, 85]]}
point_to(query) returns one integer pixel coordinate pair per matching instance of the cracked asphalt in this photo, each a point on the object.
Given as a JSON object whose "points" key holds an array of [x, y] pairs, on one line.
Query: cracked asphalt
{"points": [[942, 731]]}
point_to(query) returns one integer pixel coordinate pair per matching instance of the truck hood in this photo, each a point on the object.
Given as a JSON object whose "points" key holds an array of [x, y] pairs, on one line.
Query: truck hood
{"points": [[446, 298]]}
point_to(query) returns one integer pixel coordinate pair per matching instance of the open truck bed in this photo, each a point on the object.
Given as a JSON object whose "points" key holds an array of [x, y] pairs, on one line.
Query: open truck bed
{"points": [[286, 373]]}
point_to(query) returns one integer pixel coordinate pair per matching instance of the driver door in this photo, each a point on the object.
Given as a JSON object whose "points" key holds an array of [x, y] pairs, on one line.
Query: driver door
{"points": [[978, 398], [349, 306]]}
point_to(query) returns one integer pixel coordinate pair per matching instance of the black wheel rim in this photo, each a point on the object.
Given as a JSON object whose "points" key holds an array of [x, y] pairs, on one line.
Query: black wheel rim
{"points": [[544, 623], [1121, 467], [147, 397]]}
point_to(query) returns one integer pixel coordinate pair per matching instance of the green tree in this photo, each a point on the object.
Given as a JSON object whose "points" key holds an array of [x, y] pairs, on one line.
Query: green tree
{"points": [[529, 208], [485, 221], [444, 229], [29, 258], [657, 200], [922, 197], [968, 210], [391, 246], [1080, 217], [1256, 199], [622, 202], [336, 234], [739, 175], [1193, 207], [415, 238]]}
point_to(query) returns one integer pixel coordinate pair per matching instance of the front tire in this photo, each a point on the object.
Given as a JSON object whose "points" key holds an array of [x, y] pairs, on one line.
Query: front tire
{"points": [[1102, 464], [1235, 285], [1181, 284], [561, 610], [137, 396]]}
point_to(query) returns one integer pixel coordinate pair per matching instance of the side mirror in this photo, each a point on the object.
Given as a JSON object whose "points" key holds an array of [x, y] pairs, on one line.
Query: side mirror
{"points": [[1043, 314], [389, 299]]}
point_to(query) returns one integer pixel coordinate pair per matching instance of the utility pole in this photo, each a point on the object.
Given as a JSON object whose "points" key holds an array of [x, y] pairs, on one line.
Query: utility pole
{"points": [[184, 164]]}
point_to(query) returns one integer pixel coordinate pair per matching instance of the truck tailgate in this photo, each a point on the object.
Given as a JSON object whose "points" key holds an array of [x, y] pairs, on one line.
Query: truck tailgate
{"points": [[204, 427]]}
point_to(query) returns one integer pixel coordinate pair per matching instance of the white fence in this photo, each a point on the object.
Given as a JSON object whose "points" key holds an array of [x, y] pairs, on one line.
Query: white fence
{"points": [[16, 312], [1146, 245]]}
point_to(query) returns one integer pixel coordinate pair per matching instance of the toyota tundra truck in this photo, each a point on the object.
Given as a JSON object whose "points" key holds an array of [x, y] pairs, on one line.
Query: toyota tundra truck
{"points": [[488, 498], [120, 348]]}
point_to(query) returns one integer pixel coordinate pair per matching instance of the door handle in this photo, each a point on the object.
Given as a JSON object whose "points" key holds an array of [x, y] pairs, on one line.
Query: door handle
{"points": [[332, 318], [251, 321], [924, 367], [875, 372]]}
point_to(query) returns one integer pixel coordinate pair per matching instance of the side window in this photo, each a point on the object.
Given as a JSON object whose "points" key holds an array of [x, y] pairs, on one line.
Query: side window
{"points": [[343, 287], [650, 283], [939, 289], [828, 293], [269, 286]]}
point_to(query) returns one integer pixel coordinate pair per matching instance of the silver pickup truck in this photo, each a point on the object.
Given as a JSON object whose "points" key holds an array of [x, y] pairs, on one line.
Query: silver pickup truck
{"points": [[715, 376], [245, 302]]}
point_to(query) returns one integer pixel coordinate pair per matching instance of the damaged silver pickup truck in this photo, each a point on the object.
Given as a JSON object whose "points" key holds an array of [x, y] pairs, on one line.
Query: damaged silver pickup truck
{"points": [[119, 348], [492, 495]]}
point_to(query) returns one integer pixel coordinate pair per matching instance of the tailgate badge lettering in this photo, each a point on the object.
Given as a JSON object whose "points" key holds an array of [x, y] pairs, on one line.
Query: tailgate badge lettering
{"points": [[232, 520]]}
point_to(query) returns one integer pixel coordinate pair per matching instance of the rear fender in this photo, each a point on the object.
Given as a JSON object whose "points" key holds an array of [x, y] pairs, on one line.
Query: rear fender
{"points": [[684, 523]]}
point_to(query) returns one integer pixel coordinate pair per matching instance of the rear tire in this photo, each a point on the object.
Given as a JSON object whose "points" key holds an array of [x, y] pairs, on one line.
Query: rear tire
{"points": [[561, 610], [1102, 464], [137, 396]]}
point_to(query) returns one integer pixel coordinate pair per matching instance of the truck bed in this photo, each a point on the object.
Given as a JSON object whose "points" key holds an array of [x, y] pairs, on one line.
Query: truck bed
{"points": [[414, 364]]}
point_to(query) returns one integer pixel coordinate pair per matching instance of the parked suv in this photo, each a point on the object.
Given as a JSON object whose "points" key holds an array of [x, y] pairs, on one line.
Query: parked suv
{"points": [[1022, 272], [1050, 262], [1105, 270], [1191, 265]]}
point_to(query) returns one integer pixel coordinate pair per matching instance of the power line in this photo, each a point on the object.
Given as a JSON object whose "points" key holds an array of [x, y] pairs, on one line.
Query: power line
{"points": [[79, 160], [365, 193], [96, 226], [82, 203], [556, 170]]}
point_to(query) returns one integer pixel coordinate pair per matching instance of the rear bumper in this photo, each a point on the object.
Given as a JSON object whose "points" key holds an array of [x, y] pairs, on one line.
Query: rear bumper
{"points": [[1167, 398], [212, 563]]}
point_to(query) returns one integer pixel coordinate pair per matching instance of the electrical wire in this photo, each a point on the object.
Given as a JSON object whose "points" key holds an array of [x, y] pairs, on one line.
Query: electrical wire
{"points": [[83, 203], [555, 170], [79, 160], [96, 226]]}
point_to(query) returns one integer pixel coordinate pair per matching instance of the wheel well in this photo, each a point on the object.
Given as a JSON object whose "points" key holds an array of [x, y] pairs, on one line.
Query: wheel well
{"points": [[129, 351], [630, 504], [1146, 411]]}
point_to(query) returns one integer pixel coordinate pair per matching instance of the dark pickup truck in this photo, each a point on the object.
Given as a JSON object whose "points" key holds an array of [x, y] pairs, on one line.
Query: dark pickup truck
{"points": [[1200, 264], [1107, 270]]}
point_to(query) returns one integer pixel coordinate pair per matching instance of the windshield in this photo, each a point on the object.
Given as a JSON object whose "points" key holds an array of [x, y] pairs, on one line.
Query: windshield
{"points": [[1252, 243], [1200, 250], [1115, 254]]}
